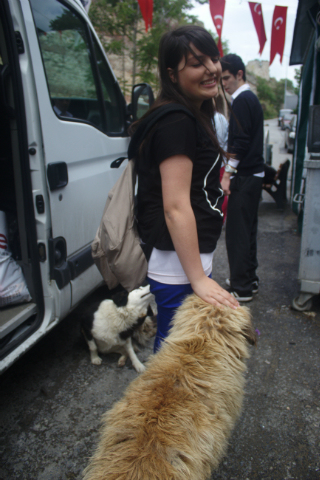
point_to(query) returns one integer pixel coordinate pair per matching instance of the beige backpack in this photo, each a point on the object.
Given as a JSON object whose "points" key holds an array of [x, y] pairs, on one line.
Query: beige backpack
{"points": [[116, 249]]}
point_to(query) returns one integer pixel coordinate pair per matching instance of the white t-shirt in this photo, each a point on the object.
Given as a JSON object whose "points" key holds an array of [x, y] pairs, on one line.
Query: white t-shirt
{"points": [[222, 129], [165, 267]]}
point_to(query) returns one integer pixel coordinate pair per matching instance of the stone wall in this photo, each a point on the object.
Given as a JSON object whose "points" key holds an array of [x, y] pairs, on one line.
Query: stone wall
{"points": [[260, 68]]}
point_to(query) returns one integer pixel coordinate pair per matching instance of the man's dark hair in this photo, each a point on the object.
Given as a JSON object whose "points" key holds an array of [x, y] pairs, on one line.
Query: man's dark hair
{"points": [[233, 63]]}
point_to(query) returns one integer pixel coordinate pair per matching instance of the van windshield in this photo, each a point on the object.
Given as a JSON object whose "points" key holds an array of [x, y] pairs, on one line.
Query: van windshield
{"points": [[76, 71]]}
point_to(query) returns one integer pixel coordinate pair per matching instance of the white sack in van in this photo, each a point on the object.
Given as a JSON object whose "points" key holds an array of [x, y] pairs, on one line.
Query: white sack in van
{"points": [[13, 288]]}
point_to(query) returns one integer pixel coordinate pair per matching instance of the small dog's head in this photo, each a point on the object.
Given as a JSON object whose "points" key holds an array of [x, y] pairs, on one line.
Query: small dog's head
{"points": [[139, 299]]}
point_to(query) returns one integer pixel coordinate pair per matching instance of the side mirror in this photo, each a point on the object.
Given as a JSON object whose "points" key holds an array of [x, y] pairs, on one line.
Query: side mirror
{"points": [[141, 100]]}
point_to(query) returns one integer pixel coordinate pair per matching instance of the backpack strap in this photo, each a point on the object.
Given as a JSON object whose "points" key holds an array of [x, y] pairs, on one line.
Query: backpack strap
{"points": [[145, 126], [139, 135]]}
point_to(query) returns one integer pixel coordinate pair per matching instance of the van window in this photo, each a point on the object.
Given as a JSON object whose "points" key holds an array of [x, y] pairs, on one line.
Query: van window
{"points": [[110, 93], [77, 74]]}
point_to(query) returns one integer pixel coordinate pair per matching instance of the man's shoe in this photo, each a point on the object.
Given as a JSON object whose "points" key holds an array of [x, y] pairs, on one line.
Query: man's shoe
{"points": [[241, 297], [255, 285]]}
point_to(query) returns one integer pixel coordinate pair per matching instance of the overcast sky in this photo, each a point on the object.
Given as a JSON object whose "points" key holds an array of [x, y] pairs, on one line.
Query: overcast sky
{"points": [[239, 30]]}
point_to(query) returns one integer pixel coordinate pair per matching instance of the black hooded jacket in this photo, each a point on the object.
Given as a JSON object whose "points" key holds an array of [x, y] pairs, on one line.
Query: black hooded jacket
{"points": [[173, 130]]}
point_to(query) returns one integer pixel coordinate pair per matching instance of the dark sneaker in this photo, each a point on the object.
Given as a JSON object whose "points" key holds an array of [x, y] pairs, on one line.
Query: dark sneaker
{"points": [[241, 297], [255, 285]]}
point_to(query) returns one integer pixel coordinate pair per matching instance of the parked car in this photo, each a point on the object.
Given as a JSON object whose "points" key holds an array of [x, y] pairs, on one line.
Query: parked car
{"points": [[282, 113], [64, 140], [290, 134], [286, 120]]}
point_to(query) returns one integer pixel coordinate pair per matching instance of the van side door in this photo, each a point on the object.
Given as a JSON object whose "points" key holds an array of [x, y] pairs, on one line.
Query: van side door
{"points": [[83, 122]]}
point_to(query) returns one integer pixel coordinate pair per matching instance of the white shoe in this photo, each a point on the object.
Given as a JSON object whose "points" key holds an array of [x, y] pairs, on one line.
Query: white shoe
{"points": [[241, 297]]}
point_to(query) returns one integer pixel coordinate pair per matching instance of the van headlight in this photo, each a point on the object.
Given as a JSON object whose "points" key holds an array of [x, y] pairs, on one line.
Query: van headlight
{"points": [[292, 134]]}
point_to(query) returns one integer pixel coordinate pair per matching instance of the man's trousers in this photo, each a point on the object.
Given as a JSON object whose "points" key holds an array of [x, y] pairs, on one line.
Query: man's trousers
{"points": [[241, 231]]}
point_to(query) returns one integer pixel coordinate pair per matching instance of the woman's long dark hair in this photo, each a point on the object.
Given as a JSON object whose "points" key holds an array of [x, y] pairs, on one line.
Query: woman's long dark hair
{"points": [[175, 45]]}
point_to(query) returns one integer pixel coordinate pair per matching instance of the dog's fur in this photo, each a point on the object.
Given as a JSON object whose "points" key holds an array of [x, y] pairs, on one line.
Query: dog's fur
{"points": [[175, 419], [116, 322]]}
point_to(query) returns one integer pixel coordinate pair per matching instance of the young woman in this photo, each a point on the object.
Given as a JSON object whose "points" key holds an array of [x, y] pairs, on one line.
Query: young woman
{"points": [[178, 164]]}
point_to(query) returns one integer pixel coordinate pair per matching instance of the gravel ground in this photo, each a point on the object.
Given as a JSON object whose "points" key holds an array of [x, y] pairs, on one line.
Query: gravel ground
{"points": [[52, 399]]}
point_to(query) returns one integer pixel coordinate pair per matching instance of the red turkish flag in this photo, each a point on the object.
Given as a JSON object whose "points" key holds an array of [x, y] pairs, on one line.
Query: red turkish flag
{"points": [[257, 17], [217, 13], [146, 7], [278, 32]]}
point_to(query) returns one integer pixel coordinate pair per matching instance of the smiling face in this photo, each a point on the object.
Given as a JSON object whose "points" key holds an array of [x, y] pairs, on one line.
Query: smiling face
{"points": [[197, 76]]}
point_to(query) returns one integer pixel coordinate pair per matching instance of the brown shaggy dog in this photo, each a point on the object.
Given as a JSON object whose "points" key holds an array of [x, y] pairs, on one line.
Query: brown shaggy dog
{"points": [[175, 419]]}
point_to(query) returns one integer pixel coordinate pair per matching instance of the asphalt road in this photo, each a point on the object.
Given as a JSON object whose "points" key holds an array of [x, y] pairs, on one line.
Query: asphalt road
{"points": [[52, 399]]}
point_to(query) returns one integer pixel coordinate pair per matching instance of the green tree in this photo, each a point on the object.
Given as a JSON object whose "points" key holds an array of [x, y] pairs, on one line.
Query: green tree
{"points": [[116, 23], [167, 14], [271, 94], [267, 96], [121, 31], [297, 77]]}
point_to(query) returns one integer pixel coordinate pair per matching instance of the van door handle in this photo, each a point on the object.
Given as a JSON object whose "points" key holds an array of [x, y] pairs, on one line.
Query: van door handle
{"points": [[116, 163], [57, 175]]}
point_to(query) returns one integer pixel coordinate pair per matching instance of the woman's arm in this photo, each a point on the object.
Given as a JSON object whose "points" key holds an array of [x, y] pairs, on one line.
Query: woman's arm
{"points": [[176, 174], [225, 183]]}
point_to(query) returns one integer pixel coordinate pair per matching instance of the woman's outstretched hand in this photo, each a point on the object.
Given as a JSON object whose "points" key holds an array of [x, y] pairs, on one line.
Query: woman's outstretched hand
{"points": [[211, 292]]}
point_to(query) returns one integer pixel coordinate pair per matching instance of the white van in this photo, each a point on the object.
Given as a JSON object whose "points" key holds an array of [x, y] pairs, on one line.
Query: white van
{"points": [[63, 128]]}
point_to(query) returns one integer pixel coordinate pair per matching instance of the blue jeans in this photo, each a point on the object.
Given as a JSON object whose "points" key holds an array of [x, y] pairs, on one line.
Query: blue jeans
{"points": [[168, 299]]}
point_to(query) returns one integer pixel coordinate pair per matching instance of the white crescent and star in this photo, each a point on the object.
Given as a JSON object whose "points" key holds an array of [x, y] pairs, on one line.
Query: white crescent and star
{"points": [[279, 19], [255, 8], [218, 17]]}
